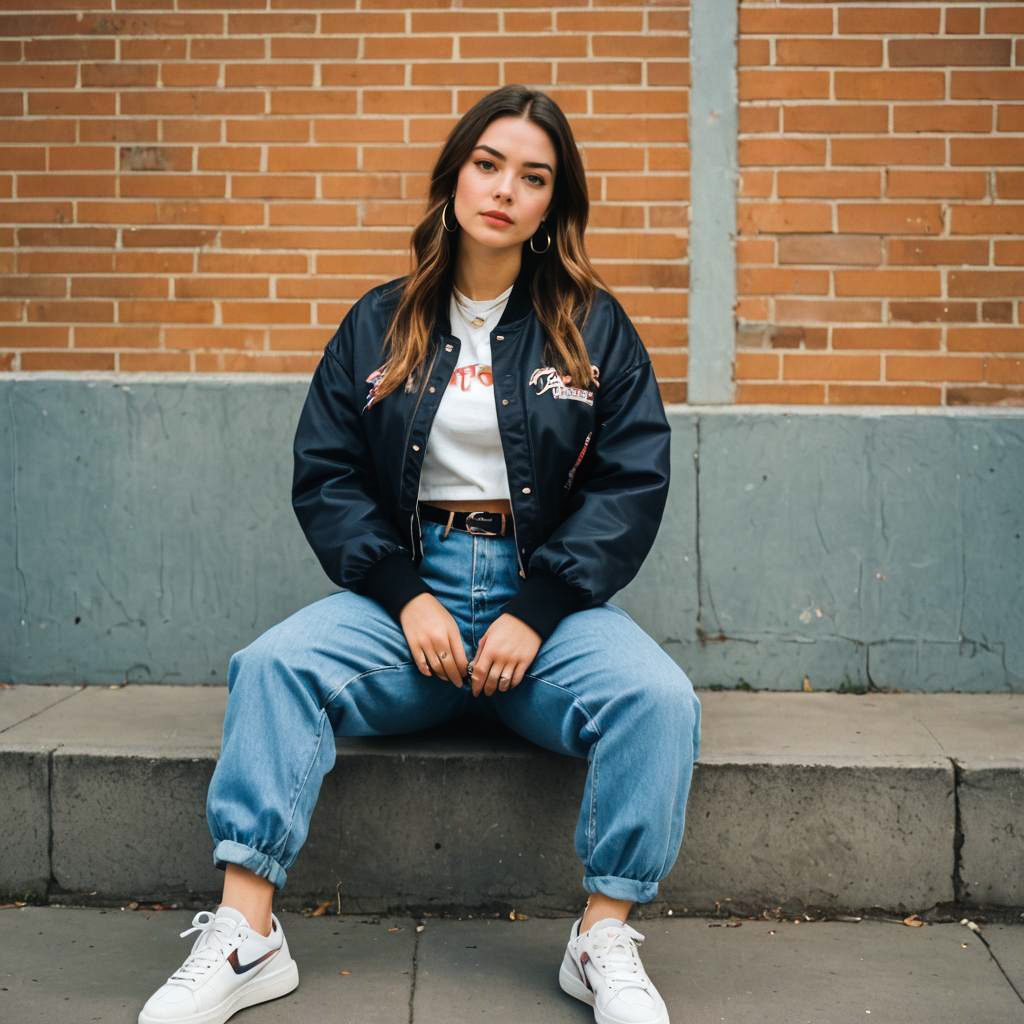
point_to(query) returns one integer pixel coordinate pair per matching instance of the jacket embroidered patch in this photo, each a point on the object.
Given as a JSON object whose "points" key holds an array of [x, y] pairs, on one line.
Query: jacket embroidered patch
{"points": [[374, 380], [547, 378]]}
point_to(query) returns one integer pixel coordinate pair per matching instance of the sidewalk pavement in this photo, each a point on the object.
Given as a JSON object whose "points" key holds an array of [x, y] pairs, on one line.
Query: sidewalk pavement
{"points": [[69, 964]]}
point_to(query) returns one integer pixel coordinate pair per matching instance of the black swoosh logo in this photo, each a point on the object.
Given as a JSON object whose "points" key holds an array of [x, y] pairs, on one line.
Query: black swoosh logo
{"points": [[239, 968]]}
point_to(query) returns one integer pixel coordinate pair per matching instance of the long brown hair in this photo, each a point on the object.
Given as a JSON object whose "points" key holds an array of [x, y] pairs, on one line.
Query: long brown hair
{"points": [[563, 280]]}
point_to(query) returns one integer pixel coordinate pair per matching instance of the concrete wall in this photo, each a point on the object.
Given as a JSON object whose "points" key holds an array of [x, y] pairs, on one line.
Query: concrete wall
{"points": [[147, 534]]}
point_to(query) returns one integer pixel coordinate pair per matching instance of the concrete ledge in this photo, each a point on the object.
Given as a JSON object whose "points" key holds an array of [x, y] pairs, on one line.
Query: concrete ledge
{"points": [[804, 799]]}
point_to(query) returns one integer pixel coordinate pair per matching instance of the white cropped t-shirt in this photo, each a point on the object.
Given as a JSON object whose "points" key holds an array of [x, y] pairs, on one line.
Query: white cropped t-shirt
{"points": [[463, 458]]}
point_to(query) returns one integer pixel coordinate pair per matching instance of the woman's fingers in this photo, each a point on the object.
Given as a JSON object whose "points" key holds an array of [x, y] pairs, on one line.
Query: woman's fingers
{"points": [[458, 652]]}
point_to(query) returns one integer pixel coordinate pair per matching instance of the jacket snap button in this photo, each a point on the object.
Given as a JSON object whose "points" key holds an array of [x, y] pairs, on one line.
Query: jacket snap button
{"points": [[499, 337], [447, 348], [432, 389], [415, 447], [526, 490], [504, 401]]}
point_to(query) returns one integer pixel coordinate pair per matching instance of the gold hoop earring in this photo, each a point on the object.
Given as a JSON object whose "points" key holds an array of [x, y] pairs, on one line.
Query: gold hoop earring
{"points": [[444, 223], [546, 247]]}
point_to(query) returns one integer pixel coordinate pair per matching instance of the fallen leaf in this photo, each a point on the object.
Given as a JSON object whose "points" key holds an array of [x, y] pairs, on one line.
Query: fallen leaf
{"points": [[807, 684], [320, 908], [913, 921], [344, 972]]}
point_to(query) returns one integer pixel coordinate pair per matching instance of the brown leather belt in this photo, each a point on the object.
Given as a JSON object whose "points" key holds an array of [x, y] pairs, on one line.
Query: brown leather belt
{"points": [[484, 524]]}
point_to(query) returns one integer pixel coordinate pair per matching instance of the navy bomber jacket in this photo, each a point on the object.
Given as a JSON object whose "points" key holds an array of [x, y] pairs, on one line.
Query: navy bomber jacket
{"points": [[588, 470]]}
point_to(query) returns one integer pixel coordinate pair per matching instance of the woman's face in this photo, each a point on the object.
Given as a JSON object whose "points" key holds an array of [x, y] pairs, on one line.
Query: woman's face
{"points": [[512, 169]]}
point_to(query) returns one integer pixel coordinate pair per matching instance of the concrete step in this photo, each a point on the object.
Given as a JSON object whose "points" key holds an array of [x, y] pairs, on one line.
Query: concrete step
{"points": [[802, 800], [62, 965]]}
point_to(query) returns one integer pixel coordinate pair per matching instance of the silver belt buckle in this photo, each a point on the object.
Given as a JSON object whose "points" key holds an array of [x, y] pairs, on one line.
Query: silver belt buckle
{"points": [[471, 526]]}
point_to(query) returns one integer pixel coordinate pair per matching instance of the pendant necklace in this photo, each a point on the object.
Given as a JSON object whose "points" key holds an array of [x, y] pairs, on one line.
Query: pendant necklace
{"points": [[480, 318]]}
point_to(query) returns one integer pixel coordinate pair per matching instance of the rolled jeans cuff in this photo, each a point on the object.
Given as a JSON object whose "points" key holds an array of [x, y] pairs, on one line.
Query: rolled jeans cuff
{"points": [[229, 852], [616, 888]]}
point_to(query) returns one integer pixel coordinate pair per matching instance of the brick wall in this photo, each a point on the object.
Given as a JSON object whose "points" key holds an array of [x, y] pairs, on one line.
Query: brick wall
{"points": [[200, 186], [880, 256], [205, 189]]}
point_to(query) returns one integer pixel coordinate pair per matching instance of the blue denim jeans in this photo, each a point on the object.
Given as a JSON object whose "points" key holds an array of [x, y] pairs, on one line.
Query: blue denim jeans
{"points": [[599, 688]]}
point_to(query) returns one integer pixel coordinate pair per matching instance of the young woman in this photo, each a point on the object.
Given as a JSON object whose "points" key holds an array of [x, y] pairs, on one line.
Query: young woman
{"points": [[481, 462]]}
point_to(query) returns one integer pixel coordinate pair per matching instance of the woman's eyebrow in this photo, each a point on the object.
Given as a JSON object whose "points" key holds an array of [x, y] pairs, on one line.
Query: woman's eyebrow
{"points": [[501, 156]]}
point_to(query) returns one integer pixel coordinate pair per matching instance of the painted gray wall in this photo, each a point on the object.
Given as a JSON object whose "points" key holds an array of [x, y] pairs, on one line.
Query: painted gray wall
{"points": [[148, 534]]}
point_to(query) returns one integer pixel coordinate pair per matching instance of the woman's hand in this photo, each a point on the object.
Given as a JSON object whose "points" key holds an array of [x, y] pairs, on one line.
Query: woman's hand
{"points": [[433, 638], [508, 647]]}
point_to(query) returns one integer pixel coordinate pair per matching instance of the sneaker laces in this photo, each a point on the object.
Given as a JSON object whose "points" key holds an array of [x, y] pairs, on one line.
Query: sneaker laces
{"points": [[619, 960], [208, 950]]}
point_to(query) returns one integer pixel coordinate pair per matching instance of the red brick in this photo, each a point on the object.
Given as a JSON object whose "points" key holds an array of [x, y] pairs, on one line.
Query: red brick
{"points": [[942, 117], [880, 21], [828, 367], [933, 312], [889, 218], [890, 85], [930, 252], [36, 336], [882, 338], [888, 282], [832, 249], [986, 85], [68, 360], [1004, 371], [887, 151], [933, 368], [985, 339], [936, 184], [942, 53], [779, 394], [964, 283], [828, 184], [762, 85], [882, 394], [757, 366], [111, 336], [984, 396], [154, 362]]}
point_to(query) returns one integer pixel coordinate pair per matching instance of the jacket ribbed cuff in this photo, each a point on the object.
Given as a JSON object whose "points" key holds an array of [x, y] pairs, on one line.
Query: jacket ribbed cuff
{"points": [[543, 601], [393, 582]]}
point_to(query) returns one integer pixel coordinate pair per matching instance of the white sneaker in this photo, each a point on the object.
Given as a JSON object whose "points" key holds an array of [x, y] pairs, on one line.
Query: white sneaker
{"points": [[602, 967], [231, 966]]}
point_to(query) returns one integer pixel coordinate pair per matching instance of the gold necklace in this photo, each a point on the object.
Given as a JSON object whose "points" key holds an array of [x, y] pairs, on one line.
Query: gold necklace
{"points": [[478, 320]]}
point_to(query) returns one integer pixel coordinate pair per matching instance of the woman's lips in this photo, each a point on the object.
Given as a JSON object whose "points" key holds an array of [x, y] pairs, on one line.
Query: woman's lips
{"points": [[496, 221]]}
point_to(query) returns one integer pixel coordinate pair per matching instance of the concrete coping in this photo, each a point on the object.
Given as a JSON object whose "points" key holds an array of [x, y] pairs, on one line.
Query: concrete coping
{"points": [[767, 727]]}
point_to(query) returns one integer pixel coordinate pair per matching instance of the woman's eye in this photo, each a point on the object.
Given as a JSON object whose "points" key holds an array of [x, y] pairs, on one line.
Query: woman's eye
{"points": [[539, 179]]}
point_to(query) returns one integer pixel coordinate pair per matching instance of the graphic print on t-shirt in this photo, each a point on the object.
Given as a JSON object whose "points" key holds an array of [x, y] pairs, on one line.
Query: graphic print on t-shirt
{"points": [[465, 376]]}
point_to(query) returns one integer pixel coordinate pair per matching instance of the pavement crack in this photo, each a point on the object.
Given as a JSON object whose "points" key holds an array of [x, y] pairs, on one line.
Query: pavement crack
{"points": [[41, 711], [977, 931], [412, 980]]}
